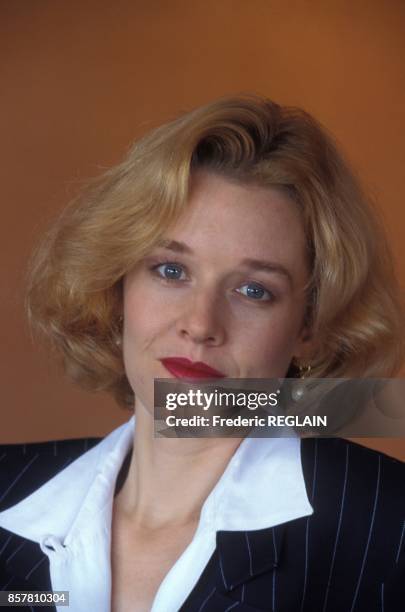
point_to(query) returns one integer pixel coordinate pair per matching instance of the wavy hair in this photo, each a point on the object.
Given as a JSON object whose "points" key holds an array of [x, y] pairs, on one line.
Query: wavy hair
{"points": [[74, 292]]}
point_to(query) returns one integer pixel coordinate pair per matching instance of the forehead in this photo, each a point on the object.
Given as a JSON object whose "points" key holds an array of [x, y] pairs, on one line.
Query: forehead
{"points": [[233, 219]]}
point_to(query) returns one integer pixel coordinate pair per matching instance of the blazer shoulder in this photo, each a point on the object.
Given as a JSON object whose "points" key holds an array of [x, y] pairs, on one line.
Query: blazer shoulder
{"points": [[335, 451], [26, 467], [333, 465]]}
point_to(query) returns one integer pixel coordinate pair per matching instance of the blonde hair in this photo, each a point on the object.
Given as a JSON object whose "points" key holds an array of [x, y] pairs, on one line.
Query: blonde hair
{"points": [[75, 282]]}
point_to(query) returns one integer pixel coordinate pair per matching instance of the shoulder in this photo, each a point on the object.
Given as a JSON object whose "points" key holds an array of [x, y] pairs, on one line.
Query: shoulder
{"points": [[360, 485], [330, 457], [25, 467], [358, 498]]}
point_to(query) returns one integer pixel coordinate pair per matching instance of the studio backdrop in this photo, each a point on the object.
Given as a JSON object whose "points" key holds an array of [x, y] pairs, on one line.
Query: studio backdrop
{"points": [[81, 79]]}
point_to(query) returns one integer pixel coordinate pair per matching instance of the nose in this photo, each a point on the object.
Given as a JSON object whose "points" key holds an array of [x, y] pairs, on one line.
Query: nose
{"points": [[202, 319]]}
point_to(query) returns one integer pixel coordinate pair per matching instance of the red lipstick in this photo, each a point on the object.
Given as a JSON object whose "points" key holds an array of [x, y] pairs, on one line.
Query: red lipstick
{"points": [[181, 367]]}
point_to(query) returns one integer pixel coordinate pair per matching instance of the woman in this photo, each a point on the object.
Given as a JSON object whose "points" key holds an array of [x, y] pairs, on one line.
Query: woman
{"points": [[233, 243]]}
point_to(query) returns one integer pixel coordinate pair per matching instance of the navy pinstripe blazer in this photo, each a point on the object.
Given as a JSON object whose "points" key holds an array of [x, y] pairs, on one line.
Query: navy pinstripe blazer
{"points": [[349, 556]]}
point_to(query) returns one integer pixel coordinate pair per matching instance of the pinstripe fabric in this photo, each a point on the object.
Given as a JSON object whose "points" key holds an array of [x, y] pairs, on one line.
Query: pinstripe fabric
{"points": [[23, 566], [341, 510], [401, 541], [348, 556], [19, 475]]}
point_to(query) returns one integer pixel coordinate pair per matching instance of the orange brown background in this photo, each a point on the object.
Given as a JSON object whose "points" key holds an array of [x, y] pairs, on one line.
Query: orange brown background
{"points": [[81, 79]]}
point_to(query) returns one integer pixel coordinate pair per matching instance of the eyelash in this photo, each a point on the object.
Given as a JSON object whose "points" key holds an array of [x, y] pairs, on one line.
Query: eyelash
{"points": [[155, 269]]}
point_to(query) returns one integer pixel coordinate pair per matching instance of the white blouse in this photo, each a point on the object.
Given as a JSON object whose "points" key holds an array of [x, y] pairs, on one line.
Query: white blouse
{"points": [[70, 515]]}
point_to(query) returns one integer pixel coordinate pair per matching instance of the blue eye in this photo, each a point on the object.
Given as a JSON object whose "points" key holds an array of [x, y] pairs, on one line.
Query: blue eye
{"points": [[256, 292], [169, 271]]}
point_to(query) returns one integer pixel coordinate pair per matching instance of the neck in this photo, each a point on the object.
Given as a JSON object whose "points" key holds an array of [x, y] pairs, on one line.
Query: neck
{"points": [[170, 478]]}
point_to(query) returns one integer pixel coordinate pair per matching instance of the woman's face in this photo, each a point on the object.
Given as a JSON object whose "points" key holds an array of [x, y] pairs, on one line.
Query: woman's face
{"points": [[225, 288]]}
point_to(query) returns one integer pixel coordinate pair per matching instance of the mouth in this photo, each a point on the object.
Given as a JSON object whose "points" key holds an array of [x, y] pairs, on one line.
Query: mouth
{"points": [[181, 367]]}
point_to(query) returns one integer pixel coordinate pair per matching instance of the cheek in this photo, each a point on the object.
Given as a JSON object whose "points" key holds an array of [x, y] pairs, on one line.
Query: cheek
{"points": [[147, 323], [138, 333], [268, 350], [142, 317]]}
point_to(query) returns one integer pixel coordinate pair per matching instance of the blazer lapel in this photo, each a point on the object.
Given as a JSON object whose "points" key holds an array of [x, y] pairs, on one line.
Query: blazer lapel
{"points": [[246, 554], [218, 602], [240, 556]]}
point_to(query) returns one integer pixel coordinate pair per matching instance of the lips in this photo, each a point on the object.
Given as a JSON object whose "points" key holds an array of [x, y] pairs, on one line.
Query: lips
{"points": [[184, 368]]}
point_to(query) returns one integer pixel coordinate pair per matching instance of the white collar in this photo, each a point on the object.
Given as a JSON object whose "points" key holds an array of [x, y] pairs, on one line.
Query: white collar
{"points": [[262, 486]]}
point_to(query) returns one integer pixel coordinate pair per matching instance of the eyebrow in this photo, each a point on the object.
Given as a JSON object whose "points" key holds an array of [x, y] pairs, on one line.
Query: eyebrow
{"points": [[254, 264], [175, 246]]}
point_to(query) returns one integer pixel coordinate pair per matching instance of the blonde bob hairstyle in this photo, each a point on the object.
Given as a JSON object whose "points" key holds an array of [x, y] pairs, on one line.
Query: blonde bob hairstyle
{"points": [[75, 282]]}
